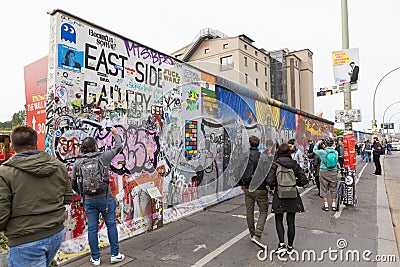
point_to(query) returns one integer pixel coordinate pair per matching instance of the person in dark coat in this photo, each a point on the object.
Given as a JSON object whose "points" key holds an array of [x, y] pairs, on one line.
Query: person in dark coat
{"points": [[289, 205], [317, 164], [258, 195]]}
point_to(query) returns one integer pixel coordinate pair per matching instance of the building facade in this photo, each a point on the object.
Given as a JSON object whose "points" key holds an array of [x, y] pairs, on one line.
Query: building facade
{"points": [[282, 75]]}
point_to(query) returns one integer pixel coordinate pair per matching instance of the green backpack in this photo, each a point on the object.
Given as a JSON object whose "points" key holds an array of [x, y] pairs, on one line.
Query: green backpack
{"points": [[286, 181], [331, 159]]}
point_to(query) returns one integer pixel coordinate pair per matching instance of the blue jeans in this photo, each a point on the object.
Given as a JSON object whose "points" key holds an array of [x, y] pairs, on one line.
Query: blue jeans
{"points": [[93, 208], [367, 156], [35, 254]]}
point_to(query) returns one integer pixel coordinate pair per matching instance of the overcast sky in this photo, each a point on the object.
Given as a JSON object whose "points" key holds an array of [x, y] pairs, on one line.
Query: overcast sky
{"points": [[168, 25]]}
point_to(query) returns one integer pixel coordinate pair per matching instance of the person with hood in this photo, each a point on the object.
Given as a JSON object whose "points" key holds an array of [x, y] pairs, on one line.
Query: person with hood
{"points": [[103, 203], [290, 206], [34, 189], [257, 194], [296, 154], [328, 176]]}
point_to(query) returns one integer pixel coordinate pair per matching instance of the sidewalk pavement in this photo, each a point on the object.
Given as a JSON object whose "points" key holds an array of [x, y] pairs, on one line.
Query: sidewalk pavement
{"points": [[219, 235]]}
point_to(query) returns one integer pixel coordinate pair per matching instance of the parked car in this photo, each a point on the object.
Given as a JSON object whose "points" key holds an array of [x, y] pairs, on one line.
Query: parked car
{"points": [[396, 146]]}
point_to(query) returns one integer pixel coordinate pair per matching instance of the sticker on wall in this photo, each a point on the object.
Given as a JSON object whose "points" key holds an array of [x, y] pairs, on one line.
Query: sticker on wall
{"points": [[69, 58], [191, 139]]}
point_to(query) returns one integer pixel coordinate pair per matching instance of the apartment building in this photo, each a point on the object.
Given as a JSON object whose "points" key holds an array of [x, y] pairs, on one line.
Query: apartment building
{"points": [[283, 75]]}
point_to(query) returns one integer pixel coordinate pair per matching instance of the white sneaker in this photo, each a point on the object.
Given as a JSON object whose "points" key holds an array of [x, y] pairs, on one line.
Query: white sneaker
{"points": [[95, 262], [118, 258]]}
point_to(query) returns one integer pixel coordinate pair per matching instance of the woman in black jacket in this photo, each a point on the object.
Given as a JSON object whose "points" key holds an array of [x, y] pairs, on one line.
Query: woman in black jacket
{"points": [[288, 205]]}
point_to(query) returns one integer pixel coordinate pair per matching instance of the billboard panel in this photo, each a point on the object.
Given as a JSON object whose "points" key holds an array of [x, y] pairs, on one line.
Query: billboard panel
{"points": [[35, 75], [346, 65]]}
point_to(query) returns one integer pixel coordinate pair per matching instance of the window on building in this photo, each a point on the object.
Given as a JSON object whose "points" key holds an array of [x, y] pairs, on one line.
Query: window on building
{"points": [[246, 78], [225, 46], [226, 63], [245, 61], [266, 86], [266, 71], [266, 59], [256, 53], [207, 50], [256, 66], [245, 46], [226, 60], [257, 82]]}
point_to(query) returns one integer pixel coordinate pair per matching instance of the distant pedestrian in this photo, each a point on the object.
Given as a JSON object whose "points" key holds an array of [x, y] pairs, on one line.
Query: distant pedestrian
{"points": [[377, 151], [103, 202], [260, 195], [368, 151], [362, 150], [290, 206], [317, 164], [296, 153], [34, 189], [340, 149], [328, 171], [389, 148]]}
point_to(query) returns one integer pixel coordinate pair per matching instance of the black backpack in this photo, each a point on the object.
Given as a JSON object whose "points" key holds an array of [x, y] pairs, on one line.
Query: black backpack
{"points": [[92, 176]]}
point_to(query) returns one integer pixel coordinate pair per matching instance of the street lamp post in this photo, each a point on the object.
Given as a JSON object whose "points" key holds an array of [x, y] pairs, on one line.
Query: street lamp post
{"points": [[348, 126], [390, 119], [383, 119], [373, 101]]}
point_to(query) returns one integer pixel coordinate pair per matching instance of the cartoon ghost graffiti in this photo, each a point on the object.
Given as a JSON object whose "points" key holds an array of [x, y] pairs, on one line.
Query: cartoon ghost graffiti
{"points": [[68, 33]]}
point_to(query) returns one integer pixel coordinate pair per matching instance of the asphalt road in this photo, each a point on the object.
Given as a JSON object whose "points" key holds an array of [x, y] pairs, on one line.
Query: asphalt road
{"points": [[219, 235]]}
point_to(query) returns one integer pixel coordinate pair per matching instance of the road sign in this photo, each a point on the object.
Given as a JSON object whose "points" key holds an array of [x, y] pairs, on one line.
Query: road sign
{"points": [[345, 116], [387, 125], [334, 89]]}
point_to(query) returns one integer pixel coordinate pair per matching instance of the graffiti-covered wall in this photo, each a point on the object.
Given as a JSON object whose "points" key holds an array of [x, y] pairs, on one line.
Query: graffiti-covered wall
{"points": [[183, 133]]}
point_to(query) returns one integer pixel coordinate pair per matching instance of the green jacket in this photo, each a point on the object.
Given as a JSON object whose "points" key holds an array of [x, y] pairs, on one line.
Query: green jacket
{"points": [[34, 189], [322, 153]]}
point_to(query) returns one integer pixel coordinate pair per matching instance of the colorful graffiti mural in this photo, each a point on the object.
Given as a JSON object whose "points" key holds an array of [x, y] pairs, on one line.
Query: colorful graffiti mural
{"points": [[182, 133]]}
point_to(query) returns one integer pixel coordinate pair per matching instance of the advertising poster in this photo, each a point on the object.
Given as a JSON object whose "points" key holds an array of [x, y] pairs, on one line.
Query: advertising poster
{"points": [[346, 66], [35, 96]]}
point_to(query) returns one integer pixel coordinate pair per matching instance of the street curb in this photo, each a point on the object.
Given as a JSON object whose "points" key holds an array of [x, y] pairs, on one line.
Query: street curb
{"points": [[386, 238]]}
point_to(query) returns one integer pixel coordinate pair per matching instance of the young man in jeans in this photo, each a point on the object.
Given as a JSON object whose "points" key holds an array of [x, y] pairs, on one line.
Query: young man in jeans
{"points": [[260, 195], [94, 205]]}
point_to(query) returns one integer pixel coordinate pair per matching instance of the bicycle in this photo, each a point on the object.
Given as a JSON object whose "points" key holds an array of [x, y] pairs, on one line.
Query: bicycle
{"points": [[346, 179], [308, 169]]}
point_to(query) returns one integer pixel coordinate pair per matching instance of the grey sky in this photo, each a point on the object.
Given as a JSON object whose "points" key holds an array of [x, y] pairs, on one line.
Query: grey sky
{"points": [[169, 25]]}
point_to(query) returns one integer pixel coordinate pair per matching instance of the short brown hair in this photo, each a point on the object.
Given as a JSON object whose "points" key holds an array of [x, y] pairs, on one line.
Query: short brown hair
{"points": [[24, 138], [254, 141]]}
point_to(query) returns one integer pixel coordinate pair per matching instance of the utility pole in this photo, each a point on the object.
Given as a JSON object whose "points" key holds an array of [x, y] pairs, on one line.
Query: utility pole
{"points": [[348, 126]]}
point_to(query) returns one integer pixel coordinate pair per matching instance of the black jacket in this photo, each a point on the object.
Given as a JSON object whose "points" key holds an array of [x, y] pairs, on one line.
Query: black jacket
{"points": [[281, 205], [258, 181]]}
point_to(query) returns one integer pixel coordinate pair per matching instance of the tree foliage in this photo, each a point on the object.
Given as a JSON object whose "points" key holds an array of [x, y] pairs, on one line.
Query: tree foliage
{"points": [[17, 119], [338, 132]]}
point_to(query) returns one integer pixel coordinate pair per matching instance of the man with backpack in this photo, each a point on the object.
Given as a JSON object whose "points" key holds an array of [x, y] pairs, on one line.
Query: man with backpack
{"points": [[90, 179], [328, 171], [377, 151], [260, 195]]}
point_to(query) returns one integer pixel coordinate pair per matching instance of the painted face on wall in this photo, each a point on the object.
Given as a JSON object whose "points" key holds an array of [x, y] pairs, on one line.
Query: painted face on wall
{"points": [[68, 33]]}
